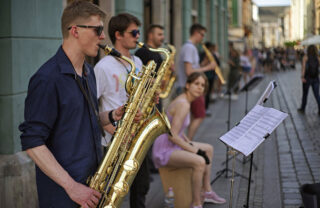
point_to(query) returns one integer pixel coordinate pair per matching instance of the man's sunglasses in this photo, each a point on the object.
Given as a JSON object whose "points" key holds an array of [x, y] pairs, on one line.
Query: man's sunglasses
{"points": [[98, 29], [134, 33]]}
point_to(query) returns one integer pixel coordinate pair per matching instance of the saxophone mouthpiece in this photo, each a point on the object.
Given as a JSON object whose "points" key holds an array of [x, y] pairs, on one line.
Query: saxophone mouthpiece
{"points": [[141, 45], [102, 46], [110, 51]]}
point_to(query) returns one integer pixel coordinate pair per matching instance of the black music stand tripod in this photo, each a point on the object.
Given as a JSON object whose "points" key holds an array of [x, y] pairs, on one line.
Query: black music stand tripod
{"points": [[226, 169], [251, 161], [247, 87]]}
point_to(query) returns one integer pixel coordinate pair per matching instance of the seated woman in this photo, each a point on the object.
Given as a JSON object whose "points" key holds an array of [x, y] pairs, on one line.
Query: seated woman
{"points": [[179, 151]]}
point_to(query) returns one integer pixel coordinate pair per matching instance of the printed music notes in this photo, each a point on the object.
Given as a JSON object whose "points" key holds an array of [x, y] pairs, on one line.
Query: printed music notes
{"points": [[258, 124]]}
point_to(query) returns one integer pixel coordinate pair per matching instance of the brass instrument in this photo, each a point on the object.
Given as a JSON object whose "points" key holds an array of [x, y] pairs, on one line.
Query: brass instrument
{"points": [[169, 77], [211, 59], [160, 74], [131, 141]]}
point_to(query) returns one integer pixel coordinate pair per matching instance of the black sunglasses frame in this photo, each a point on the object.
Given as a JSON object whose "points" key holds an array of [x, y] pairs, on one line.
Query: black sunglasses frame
{"points": [[134, 33], [98, 29]]}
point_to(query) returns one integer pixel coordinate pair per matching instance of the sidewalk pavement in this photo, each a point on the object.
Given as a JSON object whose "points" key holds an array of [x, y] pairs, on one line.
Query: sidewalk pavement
{"points": [[289, 158]]}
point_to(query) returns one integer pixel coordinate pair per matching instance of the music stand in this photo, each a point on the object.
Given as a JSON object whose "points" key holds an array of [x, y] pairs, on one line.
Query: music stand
{"points": [[251, 132], [261, 101], [226, 169], [253, 82]]}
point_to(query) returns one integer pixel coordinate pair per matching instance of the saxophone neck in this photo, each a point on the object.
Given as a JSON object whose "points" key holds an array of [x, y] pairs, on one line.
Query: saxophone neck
{"points": [[164, 51], [208, 53], [172, 49], [113, 52]]}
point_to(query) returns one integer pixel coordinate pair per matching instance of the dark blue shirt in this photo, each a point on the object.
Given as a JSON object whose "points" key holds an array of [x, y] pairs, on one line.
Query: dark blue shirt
{"points": [[58, 115]]}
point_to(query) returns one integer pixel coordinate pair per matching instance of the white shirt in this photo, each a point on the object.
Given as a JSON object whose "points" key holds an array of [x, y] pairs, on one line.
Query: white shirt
{"points": [[111, 76], [244, 61], [188, 53]]}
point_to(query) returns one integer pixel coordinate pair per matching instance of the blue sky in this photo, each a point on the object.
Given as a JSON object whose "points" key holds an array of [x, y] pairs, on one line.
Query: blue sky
{"points": [[272, 2]]}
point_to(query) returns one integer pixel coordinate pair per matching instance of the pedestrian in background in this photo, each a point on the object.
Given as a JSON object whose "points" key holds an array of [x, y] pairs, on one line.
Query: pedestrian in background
{"points": [[235, 70], [245, 65], [310, 77]]}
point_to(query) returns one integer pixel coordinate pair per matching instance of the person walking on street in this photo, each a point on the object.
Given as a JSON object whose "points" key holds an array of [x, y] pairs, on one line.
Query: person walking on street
{"points": [[310, 77], [235, 71]]}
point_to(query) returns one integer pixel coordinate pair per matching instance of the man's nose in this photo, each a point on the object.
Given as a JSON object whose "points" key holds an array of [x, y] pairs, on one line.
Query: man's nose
{"points": [[102, 36]]}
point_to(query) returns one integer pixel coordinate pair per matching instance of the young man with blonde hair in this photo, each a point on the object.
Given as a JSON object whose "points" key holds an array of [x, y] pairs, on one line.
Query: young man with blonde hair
{"points": [[61, 131]]}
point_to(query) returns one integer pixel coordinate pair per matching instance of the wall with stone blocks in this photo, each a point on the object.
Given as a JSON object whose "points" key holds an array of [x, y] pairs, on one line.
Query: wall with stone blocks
{"points": [[17, 181]]}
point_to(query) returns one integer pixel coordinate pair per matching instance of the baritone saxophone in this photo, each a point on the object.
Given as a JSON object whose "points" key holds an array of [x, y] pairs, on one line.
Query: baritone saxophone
{"points": [[131, 140], [169, 77], [114, 160], [211, 59]]}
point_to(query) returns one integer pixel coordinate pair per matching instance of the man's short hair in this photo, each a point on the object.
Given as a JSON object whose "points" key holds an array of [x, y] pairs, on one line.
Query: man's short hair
{"points": [[151, 29], [196, 28], [78, 11], [120, 23], [209, 45]]}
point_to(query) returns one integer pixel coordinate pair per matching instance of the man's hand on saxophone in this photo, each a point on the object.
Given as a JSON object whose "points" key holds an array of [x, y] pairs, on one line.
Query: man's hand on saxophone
{"points": [[138, 116], [156, 98], [207, 64], [110, 117], [212, 65], [83, 195], [117, 114]]}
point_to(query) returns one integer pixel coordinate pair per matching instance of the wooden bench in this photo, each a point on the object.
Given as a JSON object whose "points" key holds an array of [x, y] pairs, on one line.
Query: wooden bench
{"points": [[180, 180]]}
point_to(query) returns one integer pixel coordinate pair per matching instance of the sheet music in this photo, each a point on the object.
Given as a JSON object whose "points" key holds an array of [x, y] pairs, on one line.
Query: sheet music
{"points": [[252, 129], [267, 92]]}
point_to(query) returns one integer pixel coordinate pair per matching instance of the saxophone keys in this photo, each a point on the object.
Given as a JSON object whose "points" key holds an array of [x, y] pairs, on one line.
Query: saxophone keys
{"points": [[131, 166], [121, 188], [102, 186], [109, 170]]}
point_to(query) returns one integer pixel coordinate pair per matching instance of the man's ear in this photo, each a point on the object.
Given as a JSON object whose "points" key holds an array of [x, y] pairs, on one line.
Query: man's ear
{"points": [[74, 32], [118, 35]]}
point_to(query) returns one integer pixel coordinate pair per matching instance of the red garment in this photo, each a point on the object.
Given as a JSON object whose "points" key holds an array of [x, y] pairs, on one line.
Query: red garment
{"points": [[198, 108]]}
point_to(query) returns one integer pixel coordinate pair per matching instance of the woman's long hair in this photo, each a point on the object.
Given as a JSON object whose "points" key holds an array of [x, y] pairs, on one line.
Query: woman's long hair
{"points": [[312, 51]]}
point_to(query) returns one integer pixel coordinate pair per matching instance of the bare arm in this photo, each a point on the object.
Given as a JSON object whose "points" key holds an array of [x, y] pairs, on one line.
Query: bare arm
{"points": [[190, 70], [78, 192], [179, 115]]}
